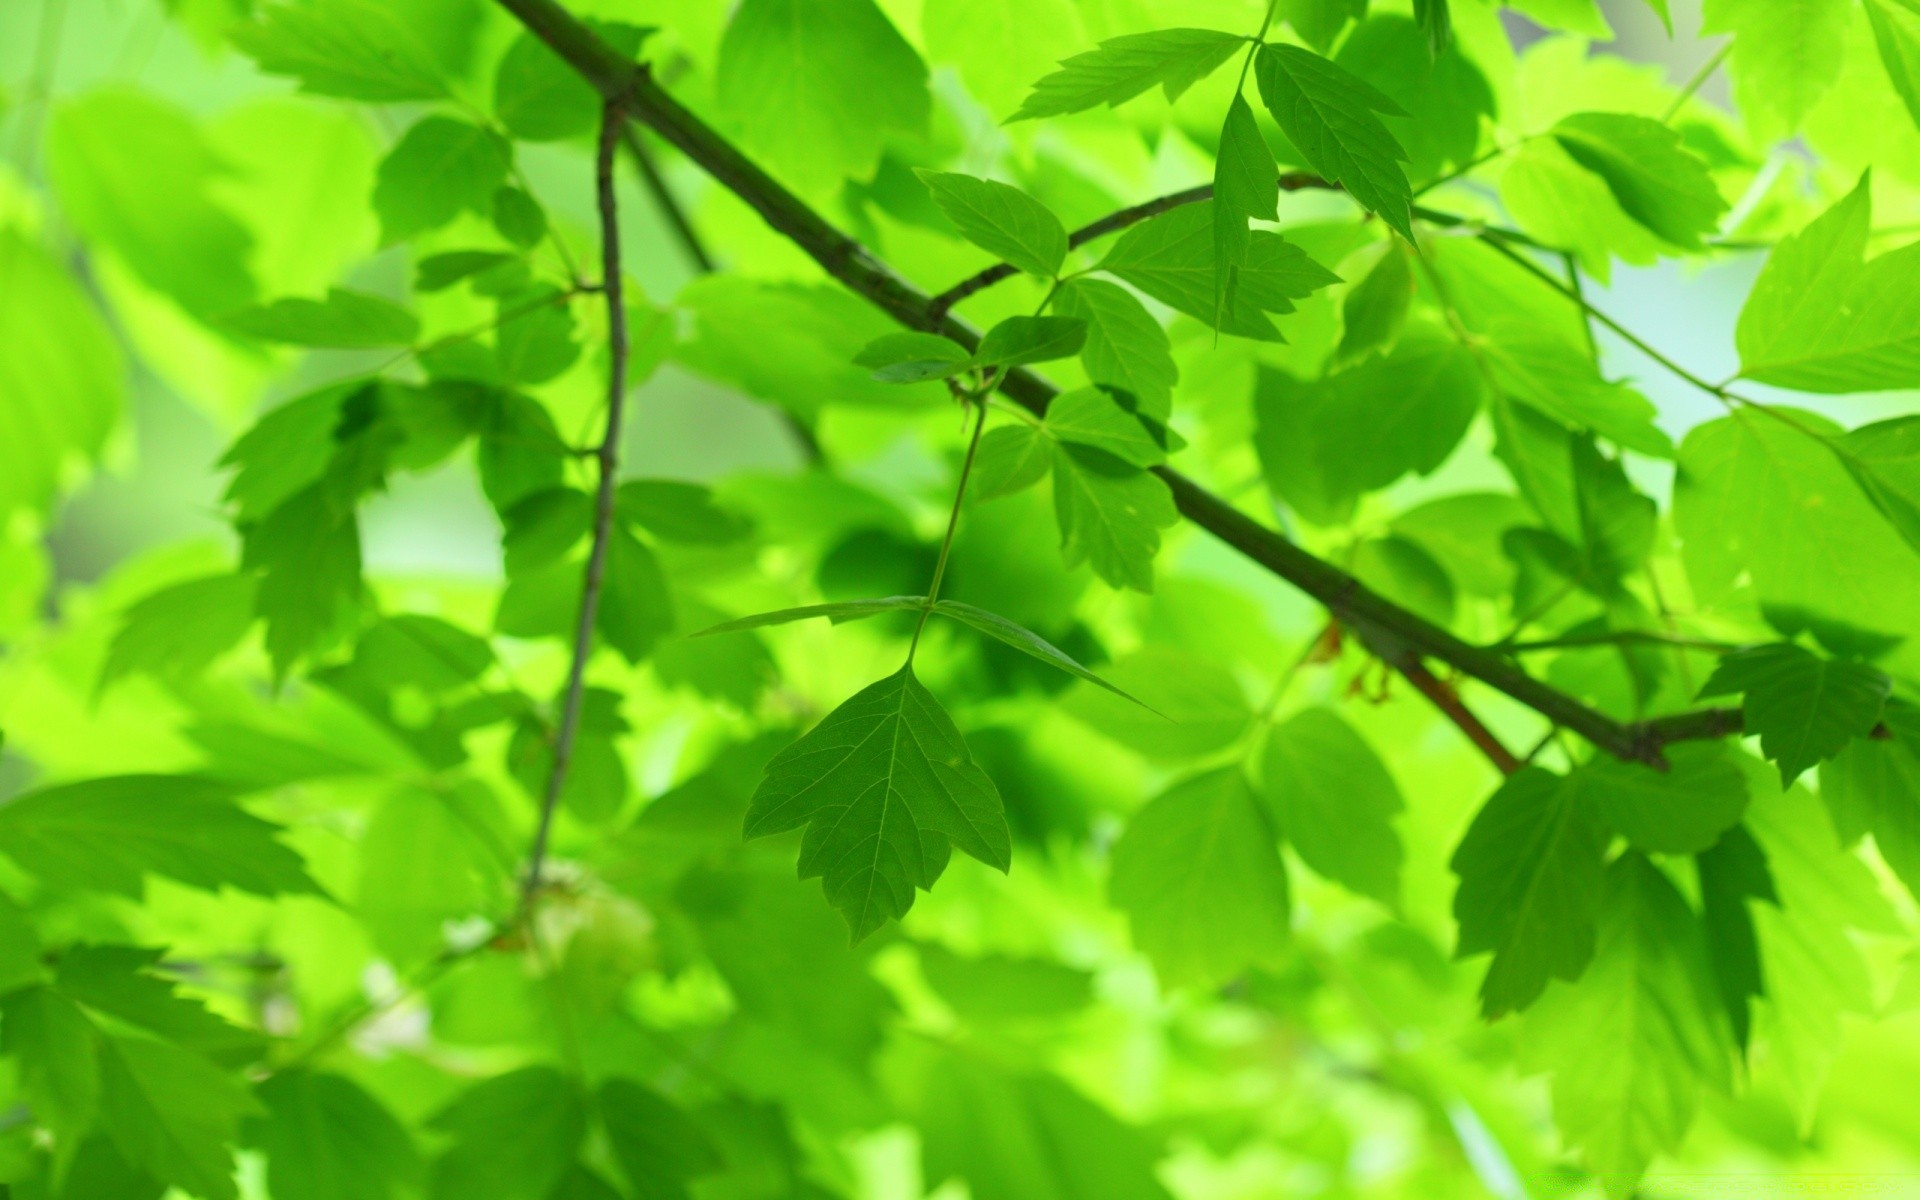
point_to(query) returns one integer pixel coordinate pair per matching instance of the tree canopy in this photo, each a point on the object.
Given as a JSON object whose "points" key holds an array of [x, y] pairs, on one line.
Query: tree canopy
{"points": [[877, 599]]}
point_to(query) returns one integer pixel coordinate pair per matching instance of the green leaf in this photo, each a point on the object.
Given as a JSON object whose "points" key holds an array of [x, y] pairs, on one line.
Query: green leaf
{"points": [[1822, 318], [913, 357], [1110, 515], [1733, 872], [1681, 810], [1761, 506], [1093, 417], [656, 1144], [325, 1138], [1873, 786], [57, 1053], [885, 787], [1444, 94], [123, 982], [1196, 706], [438, 272], [1884, 459], [307, 556], [1803, 708], [514, 1136], [518, 217], [1896, 31], [1324, 444], [1024, 640], [636, 609], [1329, 116], [1631, 1044], [19, 948], [1199, 875], [1530, 871], [1786, 53], [1656, 181], [1436, 21], [173, 1114], [429, 860], [179, 630], [543, 526], [838, 611], [107, 833], [356, 49], [1375, 309], [1023, 1135], [1123, 67], [344, 320], [1532, 364], [1245, 186], [439, 167], [60, 371], [1019, 340], [1334, 801], [817, 86], [539, 97], [1171, 258], [676, 511], [137, 176], [1011, 458], [1002, 220], [1126, 348]]}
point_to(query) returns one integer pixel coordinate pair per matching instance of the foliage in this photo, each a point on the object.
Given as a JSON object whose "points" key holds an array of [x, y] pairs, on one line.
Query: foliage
{"points": [[1407, 729]]}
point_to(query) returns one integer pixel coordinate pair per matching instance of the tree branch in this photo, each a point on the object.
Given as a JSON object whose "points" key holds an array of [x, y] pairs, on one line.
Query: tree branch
{"points": [[1448, 701], [612, 121], [631, 85]]}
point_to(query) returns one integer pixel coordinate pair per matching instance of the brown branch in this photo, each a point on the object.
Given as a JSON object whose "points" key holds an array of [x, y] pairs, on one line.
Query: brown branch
{"points": [[620, 79], [612, 120], [1448, 701]]}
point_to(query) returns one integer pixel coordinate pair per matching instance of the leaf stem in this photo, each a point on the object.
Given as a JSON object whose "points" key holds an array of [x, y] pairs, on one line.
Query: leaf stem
{"points": [[1695, 81], [953, 520], [613, 117]]}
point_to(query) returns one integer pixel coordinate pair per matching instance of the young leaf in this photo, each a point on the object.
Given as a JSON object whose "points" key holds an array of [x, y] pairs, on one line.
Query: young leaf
{"points": [[1334, 801], [1631, 1044], [438, 272], [913, 357], [325, 1138], [108, 833], [1682, 810], [1123, 67], [1245, 186], [1093, 417], [1733, 873], [636, 610], [1329, 116], [356, 49], [1804, 708], [1873, 786], [1110, 515], [1531, 363], [344, 320], [439, 166], [841, 610], [1171, 258], [1199, 875], [1823, 318], [676, 511], [1656, 180], [884, 787], [1024, 640], [1884, 459], [817, 86], [540, 98], [1786, 53], [122, 982], [1011, 458], [514, 1136], [1002, 220], [173, 1114], [1896, 31], [1436, 21], [1375, 309], [659, 1146], [1019, 340], [56, 1051], [1126, 348], [307, 555], [1530, 873], [179, 630]]}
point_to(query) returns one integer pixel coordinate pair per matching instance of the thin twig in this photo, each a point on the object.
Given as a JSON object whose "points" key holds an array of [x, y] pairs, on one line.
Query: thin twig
{"points": [[608, 458], [1447, 700], [1621, 637], [1693, 84]]}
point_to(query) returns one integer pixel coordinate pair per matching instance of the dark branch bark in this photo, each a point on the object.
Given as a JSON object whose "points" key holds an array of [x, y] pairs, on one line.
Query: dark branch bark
{"points": [[612, 121], [847, 261], [1448, 701]]}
